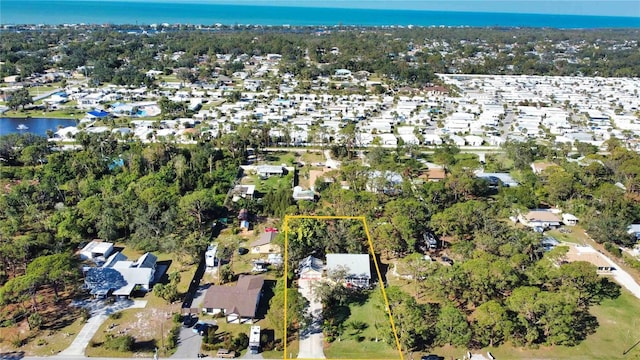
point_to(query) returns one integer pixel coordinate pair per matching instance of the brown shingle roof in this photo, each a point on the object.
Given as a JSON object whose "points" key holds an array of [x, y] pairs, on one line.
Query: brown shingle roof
{"points": [[241, 299], [538, 215]]}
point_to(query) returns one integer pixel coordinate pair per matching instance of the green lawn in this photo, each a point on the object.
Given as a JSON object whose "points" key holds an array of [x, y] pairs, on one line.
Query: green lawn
{"points": [[67, 113], [309, 157], [362, 345], [280, 157], [618, 332], [576, 236], [41, 90]]}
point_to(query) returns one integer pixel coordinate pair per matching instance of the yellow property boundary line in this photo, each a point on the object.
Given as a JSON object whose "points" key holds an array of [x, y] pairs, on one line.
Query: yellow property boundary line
{"points": [[375, 261]]}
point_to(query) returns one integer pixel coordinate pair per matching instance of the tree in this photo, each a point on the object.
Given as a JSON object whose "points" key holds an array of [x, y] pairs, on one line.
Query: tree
{"points": [[56, 270], [452, 327], [559, 184], [19, 98], [492, 325], [462, 219], [225, 274], [296, 309]]}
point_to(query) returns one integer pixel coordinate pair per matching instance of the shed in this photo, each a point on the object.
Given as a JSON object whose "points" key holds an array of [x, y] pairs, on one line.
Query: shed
{"points": [[96, 250], [569, 219]]}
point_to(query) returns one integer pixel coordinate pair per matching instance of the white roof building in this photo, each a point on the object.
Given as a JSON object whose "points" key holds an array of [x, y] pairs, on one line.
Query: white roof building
{"points": [[356, 266]]}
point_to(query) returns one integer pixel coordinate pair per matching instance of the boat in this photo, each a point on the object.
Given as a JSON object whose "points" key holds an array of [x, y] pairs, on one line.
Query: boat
{"points": [[22, 127]]}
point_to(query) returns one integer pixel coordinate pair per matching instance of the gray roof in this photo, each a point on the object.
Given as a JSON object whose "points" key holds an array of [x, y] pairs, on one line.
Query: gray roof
{"points": [[506, 178], [269, 169], [113, 259], [357, 265], [310, 263], [148, 260], [265, 238]]}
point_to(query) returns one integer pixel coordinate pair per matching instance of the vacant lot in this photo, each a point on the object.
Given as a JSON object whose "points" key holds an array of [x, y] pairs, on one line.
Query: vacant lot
{"points": [[362, 344], [617, 334]]}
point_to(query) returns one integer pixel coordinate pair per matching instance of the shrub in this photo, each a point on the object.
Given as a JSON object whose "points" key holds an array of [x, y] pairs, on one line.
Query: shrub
{"points": [[115, 315], [18, 342], [240, 342], [634, 263], [35, 321], [177, 318], [41, 342], [122, 343], [174, 335], [613, 249], [85, 314]]}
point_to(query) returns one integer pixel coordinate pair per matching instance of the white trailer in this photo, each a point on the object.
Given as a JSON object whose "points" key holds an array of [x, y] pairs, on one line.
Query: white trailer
{"points": [[254, 340]]}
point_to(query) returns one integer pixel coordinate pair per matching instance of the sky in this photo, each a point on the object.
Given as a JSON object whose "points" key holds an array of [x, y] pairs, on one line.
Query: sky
{"points": [[630, 8]]}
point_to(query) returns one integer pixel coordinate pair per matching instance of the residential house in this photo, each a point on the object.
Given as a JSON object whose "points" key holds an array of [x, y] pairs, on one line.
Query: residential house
{"points": [[120, 277], [496, 178], [539, 167], [264, 244], [356, 267], [436, 174], [243, 191], [301, 194], [266, 171], [540, 219], [387, 182], [310, 268], [239, 303]]}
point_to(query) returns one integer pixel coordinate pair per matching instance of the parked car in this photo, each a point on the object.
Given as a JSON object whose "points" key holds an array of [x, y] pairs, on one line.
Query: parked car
{"points": [[447, 260], [189, 321], [431, 357], [226, 354], [201, 328]]}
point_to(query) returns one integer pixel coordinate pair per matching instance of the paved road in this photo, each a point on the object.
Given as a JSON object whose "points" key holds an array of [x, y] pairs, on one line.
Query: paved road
{"points": [[99, 313], [311, 338]]}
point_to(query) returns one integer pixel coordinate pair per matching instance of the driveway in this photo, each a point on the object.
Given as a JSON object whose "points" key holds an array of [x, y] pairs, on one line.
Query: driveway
{"points": [[311, 338], [619, 275], [188, 345], [622, 277], [99, 313]]}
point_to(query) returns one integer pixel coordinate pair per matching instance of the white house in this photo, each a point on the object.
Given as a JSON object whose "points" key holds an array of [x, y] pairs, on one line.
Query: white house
{"points": [[356, 267], [310, 268], [120, 276]]}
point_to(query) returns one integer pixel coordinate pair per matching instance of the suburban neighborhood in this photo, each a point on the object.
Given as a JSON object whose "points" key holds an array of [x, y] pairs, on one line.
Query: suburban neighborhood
{"points": [[331, 192]]}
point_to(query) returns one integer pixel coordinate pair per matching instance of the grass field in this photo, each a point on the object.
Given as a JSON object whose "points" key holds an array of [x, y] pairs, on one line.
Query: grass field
{"points": [[67, 113], [618, 331], [352, 345], [576, 236]]}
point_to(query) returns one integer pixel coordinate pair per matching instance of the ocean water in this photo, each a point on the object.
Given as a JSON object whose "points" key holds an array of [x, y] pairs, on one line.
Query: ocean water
{"points": [[54, 12], [37, 126]]}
